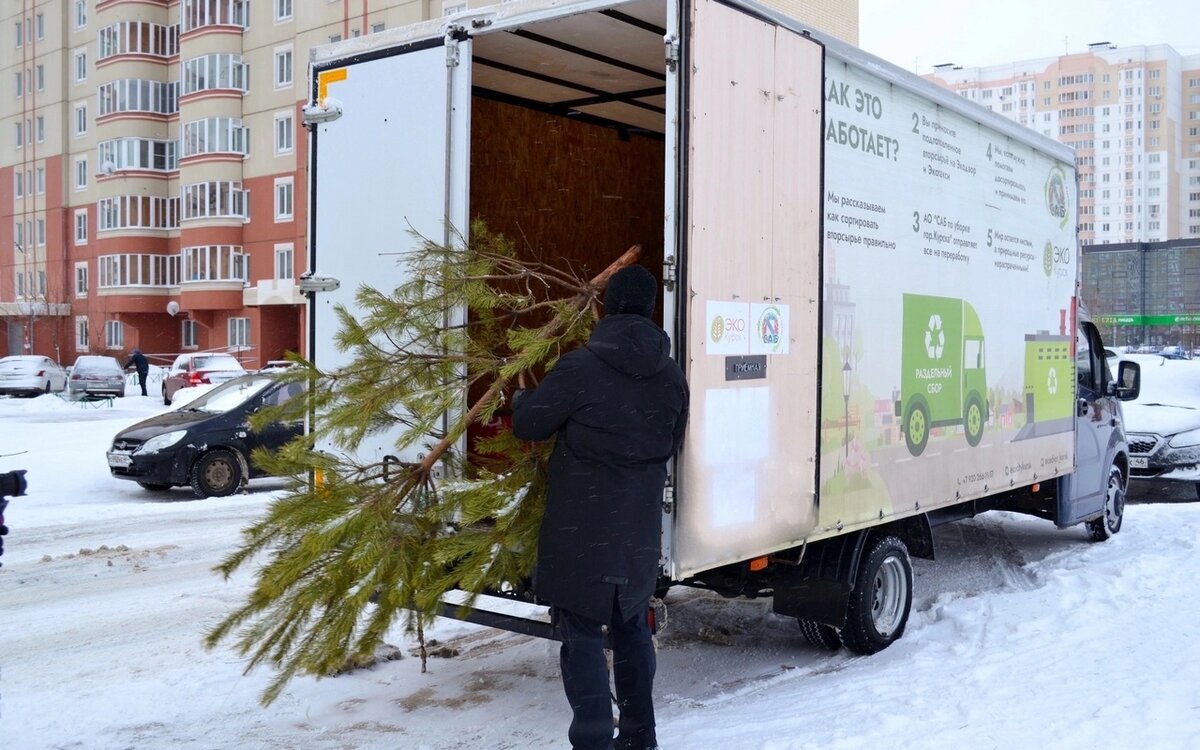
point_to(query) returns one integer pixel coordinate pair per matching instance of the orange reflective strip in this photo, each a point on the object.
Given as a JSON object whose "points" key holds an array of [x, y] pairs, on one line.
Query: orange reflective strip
{"points": [[325, 78]]}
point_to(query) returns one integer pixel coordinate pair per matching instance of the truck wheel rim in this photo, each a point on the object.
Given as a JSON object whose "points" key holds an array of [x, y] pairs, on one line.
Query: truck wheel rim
{"points": [[973, 419], [1114, 505], [887, 605], [916, 426]]}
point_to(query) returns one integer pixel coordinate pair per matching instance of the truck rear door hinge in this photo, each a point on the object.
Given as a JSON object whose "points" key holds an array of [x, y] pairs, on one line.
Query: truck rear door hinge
{"points": [[671, 44], [669, 273], [668, 499]]}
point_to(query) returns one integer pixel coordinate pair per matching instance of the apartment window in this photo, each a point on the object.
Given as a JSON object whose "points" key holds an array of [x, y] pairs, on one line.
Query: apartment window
{"points": [[40, 227], [216, 135], [283, 133], [239, 332], [81, 333], [283, 10], [198, 13], [80, 13], [137, 212], [217, 71], [283, 67], [81, 121], [206, 200], [335, 38], [39, 180], [377, 27], [18, 184], [138, 95], [137, 38], [81, 226], [41, 287], [114, 334], [215, 263], [19, 131], [283, 199], [189, 335], [80, 66], [20, 34], [81, 174], [39, 77], [449, 9], [284, 262], [137, 269], [19, 83], [40, 128], [40, 26], [122, 154], [81, 279]]}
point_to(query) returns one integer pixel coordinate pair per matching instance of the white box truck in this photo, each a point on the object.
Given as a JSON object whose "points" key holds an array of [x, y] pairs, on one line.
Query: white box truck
{"points": [[868, 280]]}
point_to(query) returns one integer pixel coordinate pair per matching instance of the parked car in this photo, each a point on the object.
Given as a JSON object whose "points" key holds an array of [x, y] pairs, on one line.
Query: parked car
{"points": [[30, 375], [207, 443], [1175, 352], [275, 365], [197, 369], [94, 375], [1162, 424]]}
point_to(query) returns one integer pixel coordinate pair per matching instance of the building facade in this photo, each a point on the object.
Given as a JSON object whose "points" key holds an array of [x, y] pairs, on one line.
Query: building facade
{"points": [[1132, 114], [153, 168]]}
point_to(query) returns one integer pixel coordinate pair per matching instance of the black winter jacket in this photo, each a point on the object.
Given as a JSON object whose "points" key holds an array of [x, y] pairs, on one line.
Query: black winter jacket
{"points": [[618, 406]]}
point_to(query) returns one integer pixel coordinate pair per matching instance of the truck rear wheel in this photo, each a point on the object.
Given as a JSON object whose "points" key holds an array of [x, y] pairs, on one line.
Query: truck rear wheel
{"points": [[916, 427], [1109, 524], [882, 597], [819, 634]]}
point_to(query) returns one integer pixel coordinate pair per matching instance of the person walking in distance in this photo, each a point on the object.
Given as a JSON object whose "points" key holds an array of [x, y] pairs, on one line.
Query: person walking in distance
{"points": [[142, 365], [618, 407]]}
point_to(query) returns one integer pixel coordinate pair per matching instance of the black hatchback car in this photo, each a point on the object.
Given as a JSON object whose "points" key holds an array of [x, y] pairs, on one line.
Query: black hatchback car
{"points": [[206, 444]]}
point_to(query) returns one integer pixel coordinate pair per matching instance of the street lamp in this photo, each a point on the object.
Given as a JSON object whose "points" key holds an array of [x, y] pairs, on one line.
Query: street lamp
{"points": [[846, 398]]}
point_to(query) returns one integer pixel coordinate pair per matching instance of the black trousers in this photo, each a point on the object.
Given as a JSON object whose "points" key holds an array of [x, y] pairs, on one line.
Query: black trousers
{"points": [[142, 380], [585, 679]]}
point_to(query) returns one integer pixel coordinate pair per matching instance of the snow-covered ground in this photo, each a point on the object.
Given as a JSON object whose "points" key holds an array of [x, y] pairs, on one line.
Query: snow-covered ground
{"points": [[1022, 636]]}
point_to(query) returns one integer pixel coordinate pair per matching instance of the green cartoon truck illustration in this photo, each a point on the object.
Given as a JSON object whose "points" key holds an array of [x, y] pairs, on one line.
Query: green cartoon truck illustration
{"points": [[943, 381], [1049, 385]]}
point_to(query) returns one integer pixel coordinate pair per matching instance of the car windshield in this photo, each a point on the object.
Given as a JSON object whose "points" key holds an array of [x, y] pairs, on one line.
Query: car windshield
{"points": [[216, 362], [229, 395]]}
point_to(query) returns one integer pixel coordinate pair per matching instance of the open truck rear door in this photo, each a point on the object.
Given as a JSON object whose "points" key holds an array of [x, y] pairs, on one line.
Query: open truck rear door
{"points": [[750, 137], [413, 179]]}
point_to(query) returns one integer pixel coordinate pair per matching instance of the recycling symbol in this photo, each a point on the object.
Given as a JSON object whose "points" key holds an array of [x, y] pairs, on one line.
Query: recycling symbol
{"points": [[1052, 381], [935, 337]]}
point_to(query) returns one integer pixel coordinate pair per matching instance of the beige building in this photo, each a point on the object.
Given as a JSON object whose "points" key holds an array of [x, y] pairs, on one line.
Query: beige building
{"points": [[1133, 116], [153, 167]]}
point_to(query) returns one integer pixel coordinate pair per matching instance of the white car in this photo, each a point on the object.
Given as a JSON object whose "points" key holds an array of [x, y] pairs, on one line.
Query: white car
{"points": [[1162, 424], [30, 375]]}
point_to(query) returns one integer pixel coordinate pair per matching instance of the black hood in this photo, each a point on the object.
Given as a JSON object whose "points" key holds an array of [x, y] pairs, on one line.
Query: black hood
{"points": [[164, 423], [630, 344]]}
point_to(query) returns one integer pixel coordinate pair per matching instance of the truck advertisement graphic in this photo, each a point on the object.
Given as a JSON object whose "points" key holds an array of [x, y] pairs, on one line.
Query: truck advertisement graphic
{"points": [[949, 267], [943, 380]]}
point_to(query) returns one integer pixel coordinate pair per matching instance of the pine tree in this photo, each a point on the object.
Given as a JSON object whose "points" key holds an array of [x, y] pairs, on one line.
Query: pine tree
{"points": [[356, 546]]}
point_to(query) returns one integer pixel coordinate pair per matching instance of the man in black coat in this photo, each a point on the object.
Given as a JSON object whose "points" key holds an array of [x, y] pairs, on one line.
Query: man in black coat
{"points": [[142, 365], [618, 407]]}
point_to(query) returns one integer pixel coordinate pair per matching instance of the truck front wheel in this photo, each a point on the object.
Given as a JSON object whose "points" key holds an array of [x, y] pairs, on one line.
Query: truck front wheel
{"points": [[1109, 524], [973, 420], [882, 597]]}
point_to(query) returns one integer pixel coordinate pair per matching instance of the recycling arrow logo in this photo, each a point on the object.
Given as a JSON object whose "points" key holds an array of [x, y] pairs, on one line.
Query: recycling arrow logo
{"points": [[935, 337], [1052, 381]]}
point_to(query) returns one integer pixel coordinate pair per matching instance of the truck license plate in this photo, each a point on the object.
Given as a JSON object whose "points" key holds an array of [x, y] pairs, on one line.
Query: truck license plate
{"points": [[119, 460], [1139, 462]]}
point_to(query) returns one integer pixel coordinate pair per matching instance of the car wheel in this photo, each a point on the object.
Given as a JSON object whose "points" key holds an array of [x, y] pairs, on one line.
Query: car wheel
{"points": [[1109, 524], [166, 399], [882, 597], [153, 487], [216, 474], [46, 390], [819, 634]]}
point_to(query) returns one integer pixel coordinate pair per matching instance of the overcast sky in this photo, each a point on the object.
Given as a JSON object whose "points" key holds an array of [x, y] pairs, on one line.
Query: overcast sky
{"points": [[918, 34]]}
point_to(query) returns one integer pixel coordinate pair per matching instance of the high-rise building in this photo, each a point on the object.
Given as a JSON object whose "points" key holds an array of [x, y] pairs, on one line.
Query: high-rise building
{"points": [[153, 167], [1133, 116]]}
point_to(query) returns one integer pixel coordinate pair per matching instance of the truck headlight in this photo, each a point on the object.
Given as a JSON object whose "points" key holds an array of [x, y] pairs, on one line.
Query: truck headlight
{"points": [[155, 444], [1185, 439]]}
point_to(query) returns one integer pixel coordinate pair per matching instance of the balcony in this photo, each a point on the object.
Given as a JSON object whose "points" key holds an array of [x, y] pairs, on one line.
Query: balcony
{"points": [[272, 292]]}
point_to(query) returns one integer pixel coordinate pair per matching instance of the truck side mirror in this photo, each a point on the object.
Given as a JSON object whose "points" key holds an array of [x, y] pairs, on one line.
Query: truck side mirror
{"points": [[1129, 381]]}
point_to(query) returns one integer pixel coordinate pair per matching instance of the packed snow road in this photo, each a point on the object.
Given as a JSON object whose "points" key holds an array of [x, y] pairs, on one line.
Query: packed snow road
{"points": [[1021, 636]]}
